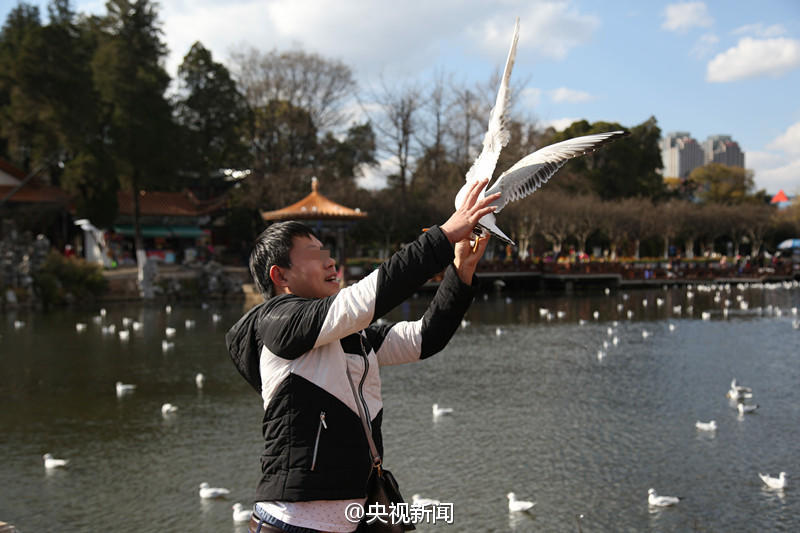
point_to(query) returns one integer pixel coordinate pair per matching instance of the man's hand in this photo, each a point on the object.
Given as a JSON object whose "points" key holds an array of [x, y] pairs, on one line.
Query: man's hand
{"points": [[460, 224], [467, 257]]}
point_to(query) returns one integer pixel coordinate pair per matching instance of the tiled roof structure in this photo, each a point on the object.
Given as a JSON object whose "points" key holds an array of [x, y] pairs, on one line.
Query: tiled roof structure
{"points": [[159, 203], [314, 207]]}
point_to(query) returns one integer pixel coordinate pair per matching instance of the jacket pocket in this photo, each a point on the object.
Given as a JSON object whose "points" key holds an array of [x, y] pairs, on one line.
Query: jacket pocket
{"points": [[322, 425]]}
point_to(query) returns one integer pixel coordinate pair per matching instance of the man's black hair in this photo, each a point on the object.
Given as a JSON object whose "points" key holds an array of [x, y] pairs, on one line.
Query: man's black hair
{"points": [[272, 248]]}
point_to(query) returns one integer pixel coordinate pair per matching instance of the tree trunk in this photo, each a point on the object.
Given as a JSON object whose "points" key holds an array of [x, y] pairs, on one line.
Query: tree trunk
{"points": [[145, 284], [689, 249]]}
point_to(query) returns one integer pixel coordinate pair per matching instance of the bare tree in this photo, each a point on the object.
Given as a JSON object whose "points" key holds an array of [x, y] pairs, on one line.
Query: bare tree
{"points": [[397, 124], [322, 87]]}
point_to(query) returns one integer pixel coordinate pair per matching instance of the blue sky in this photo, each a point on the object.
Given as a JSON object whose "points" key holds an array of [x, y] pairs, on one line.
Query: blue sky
{"points": [[712, 67]]}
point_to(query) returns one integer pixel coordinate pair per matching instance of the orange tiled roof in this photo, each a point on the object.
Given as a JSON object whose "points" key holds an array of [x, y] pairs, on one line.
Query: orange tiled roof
{"points": [[10, 169], [780, 197], [315, 207], [31, 193], [161, 203]]}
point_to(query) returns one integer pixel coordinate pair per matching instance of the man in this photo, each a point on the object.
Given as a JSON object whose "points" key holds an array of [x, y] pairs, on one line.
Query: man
{"points": [[296, 348]]}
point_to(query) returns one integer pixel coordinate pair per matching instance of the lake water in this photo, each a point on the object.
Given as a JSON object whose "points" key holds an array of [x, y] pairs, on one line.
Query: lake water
{"points": [[535, 412]]}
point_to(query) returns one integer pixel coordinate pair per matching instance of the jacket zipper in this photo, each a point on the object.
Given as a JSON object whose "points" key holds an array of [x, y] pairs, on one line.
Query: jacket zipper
{"points": [[322, 424], [363, 379]]}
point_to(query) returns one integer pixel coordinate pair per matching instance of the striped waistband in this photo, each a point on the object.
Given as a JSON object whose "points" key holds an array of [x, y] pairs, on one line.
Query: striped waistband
{"points": [[273, 521]]}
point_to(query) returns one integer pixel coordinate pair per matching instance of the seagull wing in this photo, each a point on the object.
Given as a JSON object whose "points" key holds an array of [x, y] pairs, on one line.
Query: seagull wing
{"points": [[534, 170], [496, 135]]}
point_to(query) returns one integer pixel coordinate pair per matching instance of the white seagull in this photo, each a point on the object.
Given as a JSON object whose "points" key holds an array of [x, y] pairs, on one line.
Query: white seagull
{"points": [[240, 514], [199, 380], [529, 173], [439, 411], [419, 501], [739, 388], [518, 506], [212, 492], [746, 409], [774, 482], [168, 409], [706, 426], [166, 345], [124, 388], [661, 501], [49, 462], [170, 332], [80, 326]]}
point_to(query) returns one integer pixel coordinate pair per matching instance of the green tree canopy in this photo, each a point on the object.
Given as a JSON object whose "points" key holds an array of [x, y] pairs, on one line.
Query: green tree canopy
{"points": [[720, 183], [213, 115], [623, 169]]}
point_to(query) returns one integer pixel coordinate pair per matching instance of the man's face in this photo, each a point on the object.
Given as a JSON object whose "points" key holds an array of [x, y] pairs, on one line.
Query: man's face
{"points": [[313, 271]]}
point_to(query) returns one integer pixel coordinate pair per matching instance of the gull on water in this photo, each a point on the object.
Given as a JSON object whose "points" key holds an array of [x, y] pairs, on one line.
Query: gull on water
{"points": [[189, 323], [465, 323], [438, 411], [124, 335], [137, 326], [739, 388], [199, 380], [645, 334], [207, 491], [529, 173], [746, 409], [419, 501], [774, 482], [240, 514], [168, 409], [124, 388], [170, 332], [615, 340], [739, 396], [705, 315], [601, 355], [518, 506], [102, 312], [168, 309], [672, 327], [80, 327], [596, 315], [166, 345], [661, 501], [630, 314], [216, 317], [126, 321], [50, 462], [498, 331], [706, 426]]}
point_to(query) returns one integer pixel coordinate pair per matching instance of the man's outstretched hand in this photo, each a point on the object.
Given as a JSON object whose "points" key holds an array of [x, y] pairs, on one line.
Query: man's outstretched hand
{"points": [[460, 224], [467, 257]]}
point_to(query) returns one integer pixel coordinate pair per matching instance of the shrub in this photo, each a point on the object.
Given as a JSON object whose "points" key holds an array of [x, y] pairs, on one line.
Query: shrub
{"points": [[63, 280]]}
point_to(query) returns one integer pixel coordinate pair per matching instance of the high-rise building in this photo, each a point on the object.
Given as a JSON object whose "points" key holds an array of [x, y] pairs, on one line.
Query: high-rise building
{"points": [[723, 149], [680, 154]]}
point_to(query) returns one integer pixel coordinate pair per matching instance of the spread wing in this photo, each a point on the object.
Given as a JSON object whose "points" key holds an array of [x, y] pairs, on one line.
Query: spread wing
{"points": [[496, 135], [534, 170]]}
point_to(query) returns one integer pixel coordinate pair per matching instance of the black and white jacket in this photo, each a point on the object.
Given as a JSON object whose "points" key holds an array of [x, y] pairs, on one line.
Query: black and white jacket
{"points": [[295, 352]]}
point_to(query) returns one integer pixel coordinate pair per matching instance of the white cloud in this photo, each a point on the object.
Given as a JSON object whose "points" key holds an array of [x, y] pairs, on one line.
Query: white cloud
{"points": [[375, 177], [531, 97], [704, 46], [558, 124], [778, 168], [572, 96], [682, 17], [550, 28], [785, 176], [788, 141], [760, 30], [752, 58]]}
